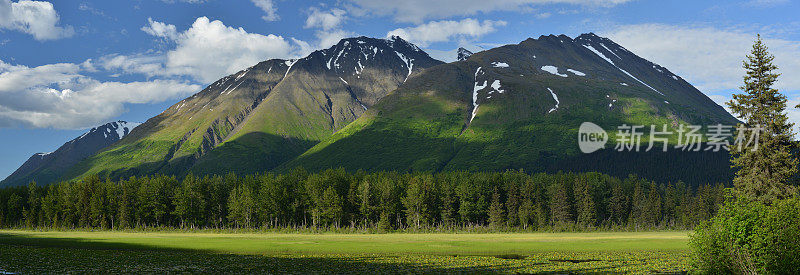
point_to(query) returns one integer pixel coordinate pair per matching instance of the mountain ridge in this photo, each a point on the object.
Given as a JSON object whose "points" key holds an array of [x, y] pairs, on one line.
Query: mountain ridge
{"points": [[272, 111], [384, 104], [519, 106], [45, 167]]}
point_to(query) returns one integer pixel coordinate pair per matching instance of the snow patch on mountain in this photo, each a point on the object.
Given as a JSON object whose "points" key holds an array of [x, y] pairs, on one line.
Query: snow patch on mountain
{"points": [[500, 64], [576, 72], [615, 65], [496, 87], [408, 61], [556, 99], [475, 90], [609, 50], [289, 63], [553, 70]]}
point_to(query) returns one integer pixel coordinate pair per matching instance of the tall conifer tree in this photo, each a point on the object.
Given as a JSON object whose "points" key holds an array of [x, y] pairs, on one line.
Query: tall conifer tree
{"points": [[765, 169]]}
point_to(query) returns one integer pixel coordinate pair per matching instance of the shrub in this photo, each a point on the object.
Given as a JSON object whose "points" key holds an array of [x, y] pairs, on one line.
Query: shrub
{"points": [[748, 237]]}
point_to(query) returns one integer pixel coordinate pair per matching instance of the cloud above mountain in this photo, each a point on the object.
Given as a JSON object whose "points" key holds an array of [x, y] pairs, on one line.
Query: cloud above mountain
{"points": [[447, 30], [62, 96], [417, 11], [709, 58], [204, 52], [37, 18]]}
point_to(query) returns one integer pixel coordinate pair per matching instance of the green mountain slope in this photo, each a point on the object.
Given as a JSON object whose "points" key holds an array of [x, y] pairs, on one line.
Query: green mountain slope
{"points": [[265, 115], [528, 101]]}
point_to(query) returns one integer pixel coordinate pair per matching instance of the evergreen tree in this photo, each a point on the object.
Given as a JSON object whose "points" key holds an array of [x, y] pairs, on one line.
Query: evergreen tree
{"points": [[190, 202], [496, 214], [584, 202], [241, 206], [331, 207], [34, 206], [765, 167], [14, 209], [652, 211], [561, 205], [618, 204], [414, 202], [638, 204]]}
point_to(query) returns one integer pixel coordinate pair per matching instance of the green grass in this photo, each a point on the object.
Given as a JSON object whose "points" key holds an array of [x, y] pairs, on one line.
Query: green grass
{"points": [[642, 252]]}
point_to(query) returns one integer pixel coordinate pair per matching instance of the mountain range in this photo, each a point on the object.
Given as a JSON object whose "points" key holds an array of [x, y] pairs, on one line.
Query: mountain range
{"points": [[384, 104]]}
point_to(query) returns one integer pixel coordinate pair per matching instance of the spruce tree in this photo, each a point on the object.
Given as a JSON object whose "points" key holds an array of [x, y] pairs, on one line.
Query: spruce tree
{"points": [[765, 169], [496, 214]]}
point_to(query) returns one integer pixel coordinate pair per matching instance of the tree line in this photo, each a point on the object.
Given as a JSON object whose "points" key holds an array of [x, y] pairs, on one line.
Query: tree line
{"points": [[334, 198]]}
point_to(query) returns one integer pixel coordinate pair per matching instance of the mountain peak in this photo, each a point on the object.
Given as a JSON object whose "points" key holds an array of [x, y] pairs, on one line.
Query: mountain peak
{"points": [[352, 55], [463, 54], [113, 130], [41, 166]]}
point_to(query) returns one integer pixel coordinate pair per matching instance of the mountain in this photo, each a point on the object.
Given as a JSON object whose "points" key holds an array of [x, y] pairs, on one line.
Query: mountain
{"points": [[519, 107], [384, 104], [265, 115], [47, 167], [463, 54]]}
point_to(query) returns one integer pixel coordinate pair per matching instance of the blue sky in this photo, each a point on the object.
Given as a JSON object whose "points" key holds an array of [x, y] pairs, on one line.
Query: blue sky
{"points": [[68, 65]]}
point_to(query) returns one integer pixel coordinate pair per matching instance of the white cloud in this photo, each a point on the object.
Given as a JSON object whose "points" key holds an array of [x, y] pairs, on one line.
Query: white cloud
{"points": [[417, 11], [207, 51], [709, 58], [160, 29], [59, 96], [446, 30], [37, 18], [329, 28], [271, 12], [325, 20], [148, 65], [327, 39]]}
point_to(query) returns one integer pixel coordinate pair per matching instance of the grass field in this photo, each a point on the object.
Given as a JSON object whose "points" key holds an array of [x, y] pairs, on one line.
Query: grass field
{"points": [[58, 252]]}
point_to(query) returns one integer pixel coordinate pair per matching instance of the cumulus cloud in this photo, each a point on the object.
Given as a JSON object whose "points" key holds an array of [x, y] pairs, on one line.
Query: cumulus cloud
{"points": [[446, 30], [325, 20], [417, 11], [60, 96], [270, 11], [328, 25], [207, 51], [160, 29], [37, 18], [709, 58]]}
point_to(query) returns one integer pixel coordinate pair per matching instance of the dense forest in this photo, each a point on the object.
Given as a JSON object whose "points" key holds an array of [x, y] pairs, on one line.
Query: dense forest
{"points": [[334, 198]]}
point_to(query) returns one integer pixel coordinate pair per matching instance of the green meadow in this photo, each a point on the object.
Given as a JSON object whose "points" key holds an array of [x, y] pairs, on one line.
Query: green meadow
{"points": [[110, 251]]}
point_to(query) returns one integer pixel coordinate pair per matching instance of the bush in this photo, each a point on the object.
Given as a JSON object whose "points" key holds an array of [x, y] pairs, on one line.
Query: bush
{"points": [[748, 237]]}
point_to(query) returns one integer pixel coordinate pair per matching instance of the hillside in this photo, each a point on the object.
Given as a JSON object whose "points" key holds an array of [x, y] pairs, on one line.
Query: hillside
{"points": [[519, 107], [265, 115], [384, 104]]}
